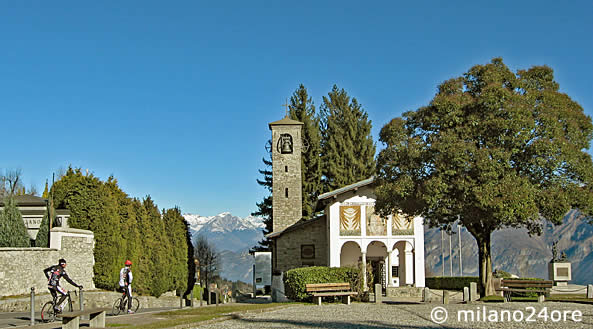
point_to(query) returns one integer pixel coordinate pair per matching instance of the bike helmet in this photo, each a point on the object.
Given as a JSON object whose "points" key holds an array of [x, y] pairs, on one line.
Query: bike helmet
{"points": [[62, 261], [128, 262]]}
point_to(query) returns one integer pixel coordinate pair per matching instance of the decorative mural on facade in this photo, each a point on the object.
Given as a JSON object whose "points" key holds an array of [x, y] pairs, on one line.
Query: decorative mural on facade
{"points": [[401, 225], [350, 220], [376, 225]]}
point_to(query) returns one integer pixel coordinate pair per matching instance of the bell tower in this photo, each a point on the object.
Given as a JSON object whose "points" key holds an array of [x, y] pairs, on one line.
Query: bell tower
{"points": [[287, 207]]}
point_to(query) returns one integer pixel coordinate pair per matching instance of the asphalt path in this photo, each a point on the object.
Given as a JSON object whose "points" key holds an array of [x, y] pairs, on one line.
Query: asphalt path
{"points": [[23, 319]]}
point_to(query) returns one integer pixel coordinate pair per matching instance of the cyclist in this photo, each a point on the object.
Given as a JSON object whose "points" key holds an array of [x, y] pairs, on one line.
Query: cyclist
{"points": [[54, 274], [125, 282]]}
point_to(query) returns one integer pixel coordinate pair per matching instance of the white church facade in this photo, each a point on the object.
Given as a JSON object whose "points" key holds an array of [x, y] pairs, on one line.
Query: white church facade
{"points": [[394, 246], [349, 233]]}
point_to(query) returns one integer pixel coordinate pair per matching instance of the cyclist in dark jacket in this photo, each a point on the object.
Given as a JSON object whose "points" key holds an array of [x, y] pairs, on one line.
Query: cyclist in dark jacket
{"points": [[54, 274]]}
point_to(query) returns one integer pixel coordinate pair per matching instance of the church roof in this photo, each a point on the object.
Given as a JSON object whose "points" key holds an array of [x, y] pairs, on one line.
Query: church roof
{"points": [[286, 121], [27, 200], [295, 226], [347, 188]]}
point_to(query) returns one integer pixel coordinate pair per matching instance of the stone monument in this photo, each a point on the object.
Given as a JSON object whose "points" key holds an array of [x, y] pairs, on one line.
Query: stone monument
{"points": [[559, 268]]}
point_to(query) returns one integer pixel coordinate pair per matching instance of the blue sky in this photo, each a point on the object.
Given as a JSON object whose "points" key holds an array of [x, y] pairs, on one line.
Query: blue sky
{"points": [[173, 98]]}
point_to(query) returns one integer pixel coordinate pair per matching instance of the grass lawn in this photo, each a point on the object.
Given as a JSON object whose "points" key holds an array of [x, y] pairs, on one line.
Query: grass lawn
{"points": [[199, 314]]}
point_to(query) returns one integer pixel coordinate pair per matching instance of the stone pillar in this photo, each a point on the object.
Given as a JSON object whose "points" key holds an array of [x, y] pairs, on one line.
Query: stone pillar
{"points": [[426, 295], [473, 291], [590, 291], [465, 294], [445, 297], [364, 271], [389, 265], [409, 268], [378, 293]]}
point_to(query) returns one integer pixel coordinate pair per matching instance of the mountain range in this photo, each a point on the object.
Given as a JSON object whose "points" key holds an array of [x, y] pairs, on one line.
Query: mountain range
{"points": [[513, 250], [232, 237]]}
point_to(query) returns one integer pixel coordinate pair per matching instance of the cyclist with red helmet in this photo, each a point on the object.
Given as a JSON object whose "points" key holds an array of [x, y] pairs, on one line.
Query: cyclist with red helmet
{"points": [[125, 282], [54, 274]]}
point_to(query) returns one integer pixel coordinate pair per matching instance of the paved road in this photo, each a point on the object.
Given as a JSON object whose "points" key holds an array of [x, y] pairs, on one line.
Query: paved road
{"points": [[18, 319]]}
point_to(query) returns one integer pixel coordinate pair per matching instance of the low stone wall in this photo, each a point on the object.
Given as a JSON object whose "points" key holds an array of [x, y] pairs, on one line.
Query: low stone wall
{"points": [[22, 268], [91, 299], [404, 291]]}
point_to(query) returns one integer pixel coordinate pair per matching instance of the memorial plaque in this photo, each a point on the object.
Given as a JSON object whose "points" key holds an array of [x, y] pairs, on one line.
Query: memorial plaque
{"points": [[562, 271]]}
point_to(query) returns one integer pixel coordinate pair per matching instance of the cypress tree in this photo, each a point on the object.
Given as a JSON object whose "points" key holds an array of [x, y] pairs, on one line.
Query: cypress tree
{"points": [[45, 194], [160, 258], [175, 230], [147, 240], [301, 108], [42, 238], [13, 232], [348, 150]]}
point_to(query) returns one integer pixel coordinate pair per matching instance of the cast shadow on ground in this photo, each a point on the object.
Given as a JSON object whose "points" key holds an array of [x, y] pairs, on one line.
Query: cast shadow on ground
{"points": [[263, 323]]}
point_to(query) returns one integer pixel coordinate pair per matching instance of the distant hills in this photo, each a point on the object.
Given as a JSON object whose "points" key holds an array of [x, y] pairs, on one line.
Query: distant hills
{"points": [[512, 249]]}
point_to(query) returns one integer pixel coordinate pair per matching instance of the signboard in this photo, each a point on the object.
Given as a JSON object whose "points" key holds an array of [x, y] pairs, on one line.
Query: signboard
{"points": [[263, 268]]}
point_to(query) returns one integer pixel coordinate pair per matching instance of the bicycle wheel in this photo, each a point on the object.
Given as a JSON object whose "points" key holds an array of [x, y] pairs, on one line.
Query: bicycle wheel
{"points": [[116, 307], [135, 304], [47, 312]]}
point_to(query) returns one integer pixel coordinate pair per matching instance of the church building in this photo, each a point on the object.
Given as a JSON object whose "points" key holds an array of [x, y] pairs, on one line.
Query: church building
{"points": [[348, 233]]}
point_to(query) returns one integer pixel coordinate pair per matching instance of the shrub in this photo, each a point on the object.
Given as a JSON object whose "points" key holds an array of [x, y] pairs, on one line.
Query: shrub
{"points": [[295, 280], [450, 282]]}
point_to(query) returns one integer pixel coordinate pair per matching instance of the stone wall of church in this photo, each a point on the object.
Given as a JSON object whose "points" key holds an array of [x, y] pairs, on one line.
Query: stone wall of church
{"points": [[22, 268], [289, 247]]}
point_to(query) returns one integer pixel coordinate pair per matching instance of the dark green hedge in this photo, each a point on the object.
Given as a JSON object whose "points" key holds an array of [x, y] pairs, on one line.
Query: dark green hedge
{"points": [[296, 279], [450, 282]]}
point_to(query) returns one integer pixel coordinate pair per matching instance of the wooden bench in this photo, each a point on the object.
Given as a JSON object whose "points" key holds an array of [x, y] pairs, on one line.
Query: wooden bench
{"points": [[318, 290], [509, 286], [71, 320]]}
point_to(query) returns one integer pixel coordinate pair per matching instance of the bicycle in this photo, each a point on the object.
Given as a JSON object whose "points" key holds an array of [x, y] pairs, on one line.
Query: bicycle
{"points": [[121, 304], [48, 313]]}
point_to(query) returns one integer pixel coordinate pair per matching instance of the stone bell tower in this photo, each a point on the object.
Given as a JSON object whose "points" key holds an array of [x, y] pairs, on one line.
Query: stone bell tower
{"points": [[287, 190]]}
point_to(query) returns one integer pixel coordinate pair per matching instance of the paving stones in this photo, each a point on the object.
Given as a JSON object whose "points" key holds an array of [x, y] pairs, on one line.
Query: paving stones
{"points": [[369, 315]]}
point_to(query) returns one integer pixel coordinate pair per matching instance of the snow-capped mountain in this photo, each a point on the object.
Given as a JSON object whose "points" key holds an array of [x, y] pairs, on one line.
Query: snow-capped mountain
{"points": [[225, 231], [232, 237]]}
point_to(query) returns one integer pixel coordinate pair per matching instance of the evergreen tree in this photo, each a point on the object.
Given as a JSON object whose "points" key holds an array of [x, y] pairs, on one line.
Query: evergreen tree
{"points": [[264, 208], [348, 150], [176, 226], [13, 232], [45, 194], [42, 238], [146, 240], [301, 108], [160, 257]]}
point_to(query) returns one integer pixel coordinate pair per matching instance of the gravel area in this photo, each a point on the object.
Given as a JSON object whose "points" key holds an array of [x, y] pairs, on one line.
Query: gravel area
{"points": [[367, 315]]}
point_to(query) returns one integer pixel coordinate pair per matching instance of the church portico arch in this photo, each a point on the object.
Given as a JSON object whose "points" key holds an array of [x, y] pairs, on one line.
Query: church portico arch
{"points": [[377, 256], [350, 254], [405, 260]]}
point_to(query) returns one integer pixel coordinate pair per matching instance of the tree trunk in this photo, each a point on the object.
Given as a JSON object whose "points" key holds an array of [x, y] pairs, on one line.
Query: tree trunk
{"points": [[485, 259]]}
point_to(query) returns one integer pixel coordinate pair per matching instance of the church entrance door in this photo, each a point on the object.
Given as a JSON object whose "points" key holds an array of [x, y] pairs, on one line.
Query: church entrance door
{"points": [[378, 266]]}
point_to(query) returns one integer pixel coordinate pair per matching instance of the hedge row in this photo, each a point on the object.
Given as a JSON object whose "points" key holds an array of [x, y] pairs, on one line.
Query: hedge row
{"points": [[296, 279], [450, 282]]}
